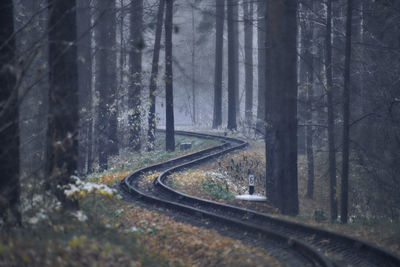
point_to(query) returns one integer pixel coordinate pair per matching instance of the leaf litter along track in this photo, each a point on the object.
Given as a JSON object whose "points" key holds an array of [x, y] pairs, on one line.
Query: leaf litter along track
{"points": [[298, 244]]}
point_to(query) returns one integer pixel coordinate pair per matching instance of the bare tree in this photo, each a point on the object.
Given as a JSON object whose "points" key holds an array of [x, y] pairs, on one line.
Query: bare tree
{"points": [[219, 46], [169, 89], [153, 77], [232, 65], [248, 49]]}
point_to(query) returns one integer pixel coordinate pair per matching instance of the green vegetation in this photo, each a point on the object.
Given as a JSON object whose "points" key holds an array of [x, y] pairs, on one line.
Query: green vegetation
{"points": [[216, 189]]}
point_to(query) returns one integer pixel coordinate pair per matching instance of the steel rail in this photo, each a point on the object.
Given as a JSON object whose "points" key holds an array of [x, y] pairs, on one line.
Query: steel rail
{"points": [[313, 256], [352, 250]]}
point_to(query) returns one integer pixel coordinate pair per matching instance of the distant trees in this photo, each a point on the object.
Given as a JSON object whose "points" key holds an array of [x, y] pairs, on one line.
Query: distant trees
{"points": [[169, 94], [9, 120], [281, 106], [106, 126], [219, 44], [63, 117], [135, 88]]}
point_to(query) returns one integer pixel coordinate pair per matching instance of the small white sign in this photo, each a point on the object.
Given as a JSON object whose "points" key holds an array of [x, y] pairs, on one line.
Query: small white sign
{"points": [[251, 180]]}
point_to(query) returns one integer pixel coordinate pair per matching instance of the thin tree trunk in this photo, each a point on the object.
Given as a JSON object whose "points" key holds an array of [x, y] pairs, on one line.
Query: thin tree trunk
{"points": [[281, 106], [261, 30], [137, 44], [106, 82], [331, 114], [62, 133], [219, 46], [232, 63], [169, 91], [153, 77], [84, 44], [248, 49], [193, 69], [235, 39], [346, 118], [9, 121]]}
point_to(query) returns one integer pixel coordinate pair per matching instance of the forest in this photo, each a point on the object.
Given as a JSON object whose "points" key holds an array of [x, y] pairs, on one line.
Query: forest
{"points": [[117, 116]]}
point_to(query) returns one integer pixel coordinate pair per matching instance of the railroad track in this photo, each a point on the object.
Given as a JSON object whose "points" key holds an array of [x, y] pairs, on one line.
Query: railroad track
{"points": [[295, 244]]}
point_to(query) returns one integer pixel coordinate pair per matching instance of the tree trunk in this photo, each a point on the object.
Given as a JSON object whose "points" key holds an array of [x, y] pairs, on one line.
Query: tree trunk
{"points": [[261, 30], [219, 46], [346, 118], [232, 65], [248, 49], [153, 77], [84, 44], [235, 39], [308, 30], [62, 133], [9, 120], [193, 69], [331, 115], [106, 78], [281, 106], [169, 93], [136, 46]]}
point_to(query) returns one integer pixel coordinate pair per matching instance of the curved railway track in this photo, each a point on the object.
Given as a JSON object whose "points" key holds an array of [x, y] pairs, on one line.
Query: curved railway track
{"points": [[295, 244]]}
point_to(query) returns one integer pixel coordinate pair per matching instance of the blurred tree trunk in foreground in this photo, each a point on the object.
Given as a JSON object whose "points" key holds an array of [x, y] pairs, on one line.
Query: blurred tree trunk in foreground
{"points": [[9, 119]]}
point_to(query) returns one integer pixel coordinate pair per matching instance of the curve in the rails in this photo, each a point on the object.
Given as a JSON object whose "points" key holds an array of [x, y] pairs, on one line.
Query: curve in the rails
{"points": [[300, 249], [342, 249]]}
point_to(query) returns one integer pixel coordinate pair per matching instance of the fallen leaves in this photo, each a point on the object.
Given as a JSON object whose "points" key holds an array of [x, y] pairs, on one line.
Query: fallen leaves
{"points": [[188, 245]]}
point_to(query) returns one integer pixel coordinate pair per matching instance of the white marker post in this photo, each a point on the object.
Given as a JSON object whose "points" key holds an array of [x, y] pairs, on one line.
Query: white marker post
{"points": [[251, 184]]}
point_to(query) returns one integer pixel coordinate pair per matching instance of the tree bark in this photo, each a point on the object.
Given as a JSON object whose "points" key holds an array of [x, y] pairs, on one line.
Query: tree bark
{"points": [[261, 30], [84, 44], [106, 78], [346, 118], [9, 120], [153, 77], [137, 45], [219, 46], [232, 65], [308, 40], [62, 133], [169, 89], [248, 49], [331, 115], [281, 106]]}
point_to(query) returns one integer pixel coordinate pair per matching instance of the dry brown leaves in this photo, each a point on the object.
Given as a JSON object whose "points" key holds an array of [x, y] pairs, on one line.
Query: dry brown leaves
{"points": [[188, 245]]}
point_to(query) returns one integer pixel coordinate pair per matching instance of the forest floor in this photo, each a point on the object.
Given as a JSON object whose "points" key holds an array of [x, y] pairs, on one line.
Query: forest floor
{"points": [[223, 179], [108, 231]]}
